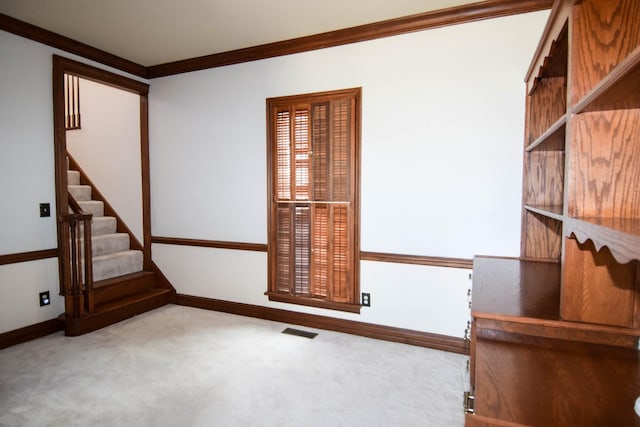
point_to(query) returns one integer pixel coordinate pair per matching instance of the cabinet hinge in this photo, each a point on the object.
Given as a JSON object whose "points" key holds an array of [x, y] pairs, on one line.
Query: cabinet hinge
{"points": [[469, 401], [467, 332]]}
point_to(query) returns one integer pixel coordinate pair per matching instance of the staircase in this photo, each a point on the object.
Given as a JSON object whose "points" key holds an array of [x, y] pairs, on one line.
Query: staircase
{"points": [[122, 287], [112, 256]]}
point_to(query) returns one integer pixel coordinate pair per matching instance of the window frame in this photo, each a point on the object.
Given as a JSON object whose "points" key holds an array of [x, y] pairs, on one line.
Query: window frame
{"points": [[278, 104]]}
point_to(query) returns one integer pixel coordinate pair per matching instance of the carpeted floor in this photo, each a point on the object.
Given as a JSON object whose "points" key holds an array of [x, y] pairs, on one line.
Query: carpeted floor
{"points": [[181, 366]]}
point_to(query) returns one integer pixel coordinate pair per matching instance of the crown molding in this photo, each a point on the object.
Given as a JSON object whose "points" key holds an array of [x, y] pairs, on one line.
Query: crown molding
{"points": [[450, 16], [439, 18], [32, 32]]}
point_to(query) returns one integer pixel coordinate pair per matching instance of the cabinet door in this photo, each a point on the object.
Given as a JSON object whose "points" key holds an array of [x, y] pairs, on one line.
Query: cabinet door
{"points": [[549, 382]]}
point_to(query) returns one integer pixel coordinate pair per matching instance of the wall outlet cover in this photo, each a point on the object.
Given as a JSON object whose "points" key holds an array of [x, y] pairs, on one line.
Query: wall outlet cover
{"points": [[366, 299], [45, 210], [44, 298]]}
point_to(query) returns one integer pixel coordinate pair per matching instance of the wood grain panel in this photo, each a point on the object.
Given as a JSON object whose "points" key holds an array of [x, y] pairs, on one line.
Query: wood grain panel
{"points": [[605, 32], [596, 289], [553, 139], [544, 178], [546, 105], [559, 329], [553, 383], [513, 288], [541, 237], [606, 150], [619, 90]]}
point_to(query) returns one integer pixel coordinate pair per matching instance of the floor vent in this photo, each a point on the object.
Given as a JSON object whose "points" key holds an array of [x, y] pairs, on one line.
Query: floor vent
{"points": [[299, 333]]}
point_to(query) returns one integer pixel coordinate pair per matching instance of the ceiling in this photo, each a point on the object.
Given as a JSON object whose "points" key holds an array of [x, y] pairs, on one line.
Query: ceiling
{"points": [[152, 32]]}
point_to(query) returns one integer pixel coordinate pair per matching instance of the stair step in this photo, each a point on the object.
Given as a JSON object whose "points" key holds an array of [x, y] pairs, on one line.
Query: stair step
{"points": [[137, 298], [102, 225], [103, 244], [116, 264], [81, 193], [123, 286], [94, 207], [73, 177], [115, 311]]}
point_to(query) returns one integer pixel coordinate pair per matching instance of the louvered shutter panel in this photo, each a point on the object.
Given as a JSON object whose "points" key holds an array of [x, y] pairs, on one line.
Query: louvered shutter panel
{"points": [[283, 156], [303, 249], [320, 258], [283, 249], [341, 249], [302, 148], [340, 149], [320, 137], [313, 152]]}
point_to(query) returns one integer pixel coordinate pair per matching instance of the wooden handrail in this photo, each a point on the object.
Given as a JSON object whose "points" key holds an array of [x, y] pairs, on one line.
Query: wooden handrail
{"points": [[78, 283]]}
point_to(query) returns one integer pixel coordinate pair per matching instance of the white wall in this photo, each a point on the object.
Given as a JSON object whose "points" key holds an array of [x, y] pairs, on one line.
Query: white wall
{"points": [[107, 148], [442, 129], [454, 97], [27, 179]]}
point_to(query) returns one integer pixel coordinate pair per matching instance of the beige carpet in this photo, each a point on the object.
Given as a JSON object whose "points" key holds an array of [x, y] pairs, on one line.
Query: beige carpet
{"points": [[181, 366]]}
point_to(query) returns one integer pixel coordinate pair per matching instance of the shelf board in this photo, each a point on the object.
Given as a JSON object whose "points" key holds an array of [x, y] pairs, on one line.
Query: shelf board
{"points": [[523, 297], [553, 139], [618, 90], [620, 235], [516, 288], [551, 211]]}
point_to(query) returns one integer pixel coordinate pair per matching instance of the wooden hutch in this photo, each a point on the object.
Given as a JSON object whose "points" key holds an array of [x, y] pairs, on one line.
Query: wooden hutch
{"points": [[555, 333]]}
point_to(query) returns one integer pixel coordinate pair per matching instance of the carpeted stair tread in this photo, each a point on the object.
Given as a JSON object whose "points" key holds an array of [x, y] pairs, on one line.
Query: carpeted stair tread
{"points": [[73, 177], [116, 264], [81, 193], [94, 207], [102, 225], [103, 244]]}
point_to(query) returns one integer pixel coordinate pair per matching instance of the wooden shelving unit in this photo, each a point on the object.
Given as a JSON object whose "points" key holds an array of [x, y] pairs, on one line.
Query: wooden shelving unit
{"points": [[555, 334]]}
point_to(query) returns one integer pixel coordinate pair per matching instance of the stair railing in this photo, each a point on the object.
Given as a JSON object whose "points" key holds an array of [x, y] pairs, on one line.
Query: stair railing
{"points": [[78, 280], [71, 102]]}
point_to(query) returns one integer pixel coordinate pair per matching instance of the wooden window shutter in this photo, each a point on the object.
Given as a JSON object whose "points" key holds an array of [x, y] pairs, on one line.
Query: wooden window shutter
{"points": [[313, 152]]}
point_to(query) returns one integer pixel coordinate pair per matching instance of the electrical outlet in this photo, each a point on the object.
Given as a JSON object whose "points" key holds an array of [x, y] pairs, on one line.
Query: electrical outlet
{"points": [[44, 298], [366, 299], [45, 210]]}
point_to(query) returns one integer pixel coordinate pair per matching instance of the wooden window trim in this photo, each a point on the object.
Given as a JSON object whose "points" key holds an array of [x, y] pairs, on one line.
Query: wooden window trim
{"points": [[275, 105]]}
